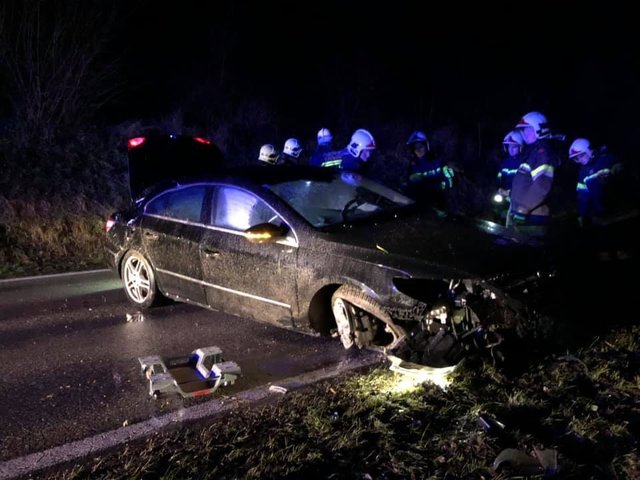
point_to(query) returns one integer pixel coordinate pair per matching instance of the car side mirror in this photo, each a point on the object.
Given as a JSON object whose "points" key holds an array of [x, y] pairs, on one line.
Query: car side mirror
{"points": [[266, 233]]}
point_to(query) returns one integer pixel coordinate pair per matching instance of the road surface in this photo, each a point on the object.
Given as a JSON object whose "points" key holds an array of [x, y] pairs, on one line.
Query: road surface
{"points": [[69, 347]]}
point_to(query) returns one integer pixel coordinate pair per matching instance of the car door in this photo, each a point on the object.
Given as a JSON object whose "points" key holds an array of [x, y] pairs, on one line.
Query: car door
{"points": [[244, 278], [172, 228]]}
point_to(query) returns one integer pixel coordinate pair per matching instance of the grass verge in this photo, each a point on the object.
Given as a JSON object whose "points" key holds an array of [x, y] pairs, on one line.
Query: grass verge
{"points": [[50, 237]]}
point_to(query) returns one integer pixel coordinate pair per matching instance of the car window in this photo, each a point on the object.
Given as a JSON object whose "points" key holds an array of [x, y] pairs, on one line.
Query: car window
{"points": [[182, 204], [345, 196], [238, 210]]}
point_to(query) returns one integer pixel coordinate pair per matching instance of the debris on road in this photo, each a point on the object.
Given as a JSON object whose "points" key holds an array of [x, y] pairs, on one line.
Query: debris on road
{"points": [[278, 389], [200, 373]]}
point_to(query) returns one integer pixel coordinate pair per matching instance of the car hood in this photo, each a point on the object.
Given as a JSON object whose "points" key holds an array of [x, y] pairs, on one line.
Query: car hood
{"points": [[452, 244], [161, 158]]}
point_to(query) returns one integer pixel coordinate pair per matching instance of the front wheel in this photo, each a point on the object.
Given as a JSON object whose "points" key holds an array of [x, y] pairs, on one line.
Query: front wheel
{"points": [[363, 321], [139, 280]]}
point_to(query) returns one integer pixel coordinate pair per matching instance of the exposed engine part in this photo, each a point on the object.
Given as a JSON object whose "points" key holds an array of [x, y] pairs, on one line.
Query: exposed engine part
{"points": [[468, 318]]}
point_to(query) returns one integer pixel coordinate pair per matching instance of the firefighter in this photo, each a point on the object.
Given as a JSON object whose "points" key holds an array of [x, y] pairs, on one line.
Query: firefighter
{"points": [[268, 154], [533, 181], [325, 155], [323, 147], [512, 146], [607, 206], [428, 179], [357, 153], [291, 152], [597, 168]]}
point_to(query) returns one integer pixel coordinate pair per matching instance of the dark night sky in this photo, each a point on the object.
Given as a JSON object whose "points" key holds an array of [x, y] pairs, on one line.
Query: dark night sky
{"points": [[576, 61]]}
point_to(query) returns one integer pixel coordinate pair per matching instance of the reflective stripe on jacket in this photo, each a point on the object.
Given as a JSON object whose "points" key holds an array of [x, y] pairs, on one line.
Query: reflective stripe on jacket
{"points": [[430, 174]]}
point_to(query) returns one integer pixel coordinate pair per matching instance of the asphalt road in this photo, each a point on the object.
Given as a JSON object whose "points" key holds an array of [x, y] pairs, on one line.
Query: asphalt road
{"points": [[69, 347]]}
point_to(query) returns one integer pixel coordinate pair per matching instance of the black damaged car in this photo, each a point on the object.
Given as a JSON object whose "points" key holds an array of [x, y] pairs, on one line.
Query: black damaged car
{"points": [[323, 251]]}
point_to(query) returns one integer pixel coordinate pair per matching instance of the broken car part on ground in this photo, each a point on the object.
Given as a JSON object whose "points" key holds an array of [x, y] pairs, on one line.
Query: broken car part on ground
{"points": [[200, 373]]}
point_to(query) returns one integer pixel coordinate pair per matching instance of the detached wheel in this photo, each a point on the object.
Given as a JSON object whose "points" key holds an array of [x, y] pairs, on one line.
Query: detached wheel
{"points": [[356, 315], [139, 280]]}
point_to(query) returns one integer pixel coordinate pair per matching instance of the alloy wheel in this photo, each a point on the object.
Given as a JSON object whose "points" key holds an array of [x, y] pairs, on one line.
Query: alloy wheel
{"points": [[136, 279]]}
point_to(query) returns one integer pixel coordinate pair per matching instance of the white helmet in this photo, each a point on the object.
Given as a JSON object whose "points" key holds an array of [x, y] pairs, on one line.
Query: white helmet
{"points": [[324, 136], [292, 147], [536, 120], [268, 153], [418, 137], [361, 140], [579, 147], [514, 137]]}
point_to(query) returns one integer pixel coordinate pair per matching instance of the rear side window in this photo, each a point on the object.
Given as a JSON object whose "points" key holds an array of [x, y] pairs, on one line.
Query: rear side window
{"points": [[183, 204], [238, 210]]}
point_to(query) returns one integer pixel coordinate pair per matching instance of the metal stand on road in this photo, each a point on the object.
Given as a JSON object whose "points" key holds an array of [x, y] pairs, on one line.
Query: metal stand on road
{"points": [[200, 373]]}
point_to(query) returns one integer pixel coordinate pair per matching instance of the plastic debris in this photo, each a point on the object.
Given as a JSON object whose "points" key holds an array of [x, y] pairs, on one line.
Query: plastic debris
{"points": [[517, 462], [277, 389], [421, 373]]}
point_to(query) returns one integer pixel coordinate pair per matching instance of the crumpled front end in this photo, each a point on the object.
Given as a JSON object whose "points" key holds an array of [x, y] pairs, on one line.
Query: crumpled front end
{"points": [[451, 318]]}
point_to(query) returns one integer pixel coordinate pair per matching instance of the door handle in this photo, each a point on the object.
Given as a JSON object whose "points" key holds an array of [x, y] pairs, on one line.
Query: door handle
{"points": [[210, 253], [151, 235]]}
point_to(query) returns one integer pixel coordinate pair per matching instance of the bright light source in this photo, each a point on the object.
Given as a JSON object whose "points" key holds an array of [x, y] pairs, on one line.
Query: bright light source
{"points": [[258, 236], [414, 374], [110, 223], [498, 198], [136, 142], [404, 385], [202, 140]]}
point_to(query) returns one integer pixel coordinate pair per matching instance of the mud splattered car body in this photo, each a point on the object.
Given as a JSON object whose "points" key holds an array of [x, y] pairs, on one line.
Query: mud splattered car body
{"points": [[318, 250]]}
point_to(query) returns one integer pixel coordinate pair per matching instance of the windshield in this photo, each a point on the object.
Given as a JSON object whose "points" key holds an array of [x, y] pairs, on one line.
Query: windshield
{"points": [[343, 197]]}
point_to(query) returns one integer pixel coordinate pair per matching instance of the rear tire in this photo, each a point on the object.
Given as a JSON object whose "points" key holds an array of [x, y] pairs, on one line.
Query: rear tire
{"points": [[139, 280]]}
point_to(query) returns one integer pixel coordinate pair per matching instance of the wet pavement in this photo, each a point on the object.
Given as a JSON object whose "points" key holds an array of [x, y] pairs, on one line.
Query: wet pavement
{"points": [[69, 347]]}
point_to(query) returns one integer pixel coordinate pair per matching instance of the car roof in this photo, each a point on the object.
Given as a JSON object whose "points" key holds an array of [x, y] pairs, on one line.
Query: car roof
{"points": [[279, 173], [244, 176]]}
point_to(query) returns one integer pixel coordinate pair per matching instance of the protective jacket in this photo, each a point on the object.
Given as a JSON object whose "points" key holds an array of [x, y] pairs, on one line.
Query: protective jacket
{"points": [[508, 169], [324, 156], [533, 181], [351, 163], [593, 179]]}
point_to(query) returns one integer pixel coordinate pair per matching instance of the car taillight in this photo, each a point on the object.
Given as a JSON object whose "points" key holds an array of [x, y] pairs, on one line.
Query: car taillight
{"points": [[110, 223], [202, 140], [136, 142]]}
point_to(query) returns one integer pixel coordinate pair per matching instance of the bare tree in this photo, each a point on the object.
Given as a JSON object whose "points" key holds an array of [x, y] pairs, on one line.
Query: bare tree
{"points": [[56, 58]]}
